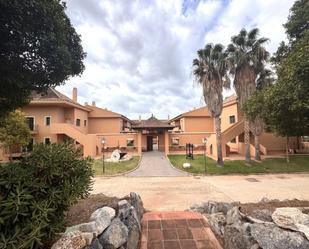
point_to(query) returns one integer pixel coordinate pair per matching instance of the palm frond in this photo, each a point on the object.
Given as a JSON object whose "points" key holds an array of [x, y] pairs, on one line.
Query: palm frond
{"points": [[253, 33]]}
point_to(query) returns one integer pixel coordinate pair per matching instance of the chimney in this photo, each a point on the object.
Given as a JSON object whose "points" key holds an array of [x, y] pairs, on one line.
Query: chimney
{"points": [[86, 103], [74, 94], [140, 118], [168, 117], [93, 103]]}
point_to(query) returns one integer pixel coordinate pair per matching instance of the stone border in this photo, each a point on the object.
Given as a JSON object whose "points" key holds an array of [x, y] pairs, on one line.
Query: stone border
{"points": [[123, 173], [237, 174]]}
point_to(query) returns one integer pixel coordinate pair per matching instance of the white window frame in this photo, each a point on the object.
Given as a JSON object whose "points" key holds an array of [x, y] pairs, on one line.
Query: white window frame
{"points": [[50, 120], [50, 141]]}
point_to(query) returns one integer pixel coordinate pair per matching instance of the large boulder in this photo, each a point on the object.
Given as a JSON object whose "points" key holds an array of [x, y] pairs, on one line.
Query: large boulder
{"points": [[102, 218], [293, 219], [71, 240], [269, 236], [134, 228], [95, 245], [137, 203], [233, 216], [217, 222], [115, 235], [238, 237], [262, 214]]}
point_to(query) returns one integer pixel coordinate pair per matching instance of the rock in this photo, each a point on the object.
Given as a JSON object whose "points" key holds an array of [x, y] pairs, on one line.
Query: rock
{"points": [[115, 235], [293, 219], [186, 165], [102, 218], [70, 240], [137, 203], [262, 214], [115, 156], [88, 237], [90, 227], [123, 209], [104, 212], [134, 229], [95, 245], [238, 237], [217, 222], [233, 216], [269, 236], [217, 207]]}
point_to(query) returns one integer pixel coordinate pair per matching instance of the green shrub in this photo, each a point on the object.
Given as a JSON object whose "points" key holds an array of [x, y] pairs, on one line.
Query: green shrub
{"points": [[36, 192]]}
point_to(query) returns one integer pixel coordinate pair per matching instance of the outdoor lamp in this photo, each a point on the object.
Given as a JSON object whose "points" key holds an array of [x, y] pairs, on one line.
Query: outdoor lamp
{"points": [[103, 164], [205, 144]]}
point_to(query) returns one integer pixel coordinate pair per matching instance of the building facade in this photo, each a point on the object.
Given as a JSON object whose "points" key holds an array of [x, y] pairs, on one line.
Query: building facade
{"points": [[53, 117]]}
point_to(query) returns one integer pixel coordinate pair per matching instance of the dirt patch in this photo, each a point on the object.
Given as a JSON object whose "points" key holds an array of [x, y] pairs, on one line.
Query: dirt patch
{"points": [[248, 208], [82, 210]]}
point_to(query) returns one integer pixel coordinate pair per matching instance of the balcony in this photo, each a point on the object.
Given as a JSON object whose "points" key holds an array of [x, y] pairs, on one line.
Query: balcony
{"points": [[33, 129]]}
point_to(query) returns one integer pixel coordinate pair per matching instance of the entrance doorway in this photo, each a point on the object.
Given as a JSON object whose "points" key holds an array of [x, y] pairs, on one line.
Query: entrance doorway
{"points": [[149, 143]]}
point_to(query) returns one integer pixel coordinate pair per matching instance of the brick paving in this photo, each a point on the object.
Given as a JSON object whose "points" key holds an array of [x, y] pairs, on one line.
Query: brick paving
{"points": [[176, 230], [155, 163]]}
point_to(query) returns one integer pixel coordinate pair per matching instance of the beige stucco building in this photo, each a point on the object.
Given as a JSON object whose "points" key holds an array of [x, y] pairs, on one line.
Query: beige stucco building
{"points": [[53, 118]]}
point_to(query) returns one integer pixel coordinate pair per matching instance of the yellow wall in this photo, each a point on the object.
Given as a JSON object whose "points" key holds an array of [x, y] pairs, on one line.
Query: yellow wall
{"points": [[198, 124], [39, 113], [104, 125], [225, 116]]}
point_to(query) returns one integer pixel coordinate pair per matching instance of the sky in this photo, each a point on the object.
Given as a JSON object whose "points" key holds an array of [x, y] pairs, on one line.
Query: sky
{"points": [[140, 52]]}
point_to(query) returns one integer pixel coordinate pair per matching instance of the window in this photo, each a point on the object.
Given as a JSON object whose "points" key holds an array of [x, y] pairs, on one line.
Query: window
{"points": [[85, 122], [130, 142], [47, 140], [232, 119], [47, 120], [78, 122], [30, 122], [175, 141], [29, 146]]}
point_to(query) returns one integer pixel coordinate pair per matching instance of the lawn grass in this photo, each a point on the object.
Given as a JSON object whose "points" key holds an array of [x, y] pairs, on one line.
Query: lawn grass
{"points": [[298, 163], [114, 168]]}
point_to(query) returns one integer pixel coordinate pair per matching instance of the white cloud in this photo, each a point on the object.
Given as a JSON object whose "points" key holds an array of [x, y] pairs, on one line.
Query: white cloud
{"points": [[140, 52]]}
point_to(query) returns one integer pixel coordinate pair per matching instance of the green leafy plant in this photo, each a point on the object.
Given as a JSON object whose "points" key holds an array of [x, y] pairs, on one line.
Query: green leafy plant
{"points": [[36, 192]]}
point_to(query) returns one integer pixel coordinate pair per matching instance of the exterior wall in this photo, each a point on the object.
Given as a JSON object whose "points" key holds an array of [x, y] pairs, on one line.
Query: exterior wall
{"points": [[276, 143], [104, 125], [228, 111], [115, 140], [39, 113], [199, 124], [82, 115]]}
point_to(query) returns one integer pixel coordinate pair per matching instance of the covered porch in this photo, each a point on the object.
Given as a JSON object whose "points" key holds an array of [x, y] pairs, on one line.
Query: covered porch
{"points": [[152, 135]]}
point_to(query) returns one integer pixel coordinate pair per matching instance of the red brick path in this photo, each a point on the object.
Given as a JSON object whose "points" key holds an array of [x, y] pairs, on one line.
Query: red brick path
{"points": [[177, 230]]}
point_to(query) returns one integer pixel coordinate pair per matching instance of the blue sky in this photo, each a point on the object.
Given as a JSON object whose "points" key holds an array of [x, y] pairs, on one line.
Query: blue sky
{"points": [[139, 53]]}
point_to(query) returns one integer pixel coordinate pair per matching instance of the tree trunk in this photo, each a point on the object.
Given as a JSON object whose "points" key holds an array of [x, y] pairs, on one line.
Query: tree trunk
{"points": [[287, 149], [247, 140], [218, 137], [257, 148]]}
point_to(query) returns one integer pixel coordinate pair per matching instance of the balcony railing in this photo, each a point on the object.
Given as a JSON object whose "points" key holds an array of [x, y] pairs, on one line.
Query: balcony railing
{"points": [[33, 128]]}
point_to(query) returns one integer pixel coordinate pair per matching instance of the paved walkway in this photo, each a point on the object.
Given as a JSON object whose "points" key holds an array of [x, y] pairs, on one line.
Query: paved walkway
{"points": [[177, 230], [179, 193], [155, 163]]}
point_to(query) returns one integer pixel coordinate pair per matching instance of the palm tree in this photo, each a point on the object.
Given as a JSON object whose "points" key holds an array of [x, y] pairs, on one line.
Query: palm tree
{"points": [[264, 79], [246, 56], [209, 70]]}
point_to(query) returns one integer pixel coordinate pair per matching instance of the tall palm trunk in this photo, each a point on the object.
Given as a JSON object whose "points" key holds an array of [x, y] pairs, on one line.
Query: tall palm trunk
{"points": [[257, 148], [219, 143], [247, 139]]}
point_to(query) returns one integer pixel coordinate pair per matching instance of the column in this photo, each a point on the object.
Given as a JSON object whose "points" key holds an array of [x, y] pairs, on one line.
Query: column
{"points": [[166, 143], [139, 143]]}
